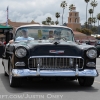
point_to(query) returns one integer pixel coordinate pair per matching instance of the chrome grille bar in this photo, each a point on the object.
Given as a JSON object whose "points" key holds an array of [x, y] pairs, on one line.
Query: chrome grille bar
{"points": [[55, 62]]}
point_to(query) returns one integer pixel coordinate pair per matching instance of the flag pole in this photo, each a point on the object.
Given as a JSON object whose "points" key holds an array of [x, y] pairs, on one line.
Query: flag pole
{"points": [[7, 17]]}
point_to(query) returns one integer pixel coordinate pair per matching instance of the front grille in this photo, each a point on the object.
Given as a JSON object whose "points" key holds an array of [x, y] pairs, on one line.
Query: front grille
{"points": [[55, 62]]}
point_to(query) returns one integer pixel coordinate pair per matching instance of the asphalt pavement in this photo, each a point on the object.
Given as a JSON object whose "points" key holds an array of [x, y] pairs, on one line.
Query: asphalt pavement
{"points": [[49, 90]]}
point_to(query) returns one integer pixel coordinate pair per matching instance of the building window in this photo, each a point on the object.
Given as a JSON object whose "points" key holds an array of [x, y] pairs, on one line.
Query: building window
{"points": [[70, 20], [76, 21]]}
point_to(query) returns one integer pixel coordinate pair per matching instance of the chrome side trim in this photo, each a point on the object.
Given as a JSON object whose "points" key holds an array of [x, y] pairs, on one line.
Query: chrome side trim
{"points": [[27, 72]]}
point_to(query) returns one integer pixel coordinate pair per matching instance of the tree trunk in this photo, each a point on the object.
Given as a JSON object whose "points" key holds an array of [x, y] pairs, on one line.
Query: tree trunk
{"points": [[86, 14], [62, 16]]}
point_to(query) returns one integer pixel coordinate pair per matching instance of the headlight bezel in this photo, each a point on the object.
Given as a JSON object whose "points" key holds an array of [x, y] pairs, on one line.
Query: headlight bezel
{"points": [[91, 56], [17, 51]]}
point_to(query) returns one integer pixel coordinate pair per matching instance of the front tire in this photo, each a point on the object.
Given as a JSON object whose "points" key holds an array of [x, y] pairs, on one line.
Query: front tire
{"points": [[86, 81], [14, 82]]}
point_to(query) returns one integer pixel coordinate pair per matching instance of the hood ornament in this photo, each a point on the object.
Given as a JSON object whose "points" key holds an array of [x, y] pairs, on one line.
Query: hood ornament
{"points": [[56, 41]]}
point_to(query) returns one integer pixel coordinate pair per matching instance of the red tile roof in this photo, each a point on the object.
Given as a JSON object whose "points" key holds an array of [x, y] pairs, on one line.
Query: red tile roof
{"points": [[81, 36]]}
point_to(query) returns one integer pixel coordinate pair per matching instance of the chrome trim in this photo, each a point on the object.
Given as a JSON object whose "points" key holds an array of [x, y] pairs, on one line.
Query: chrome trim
{"points": [[27, 72], [91, 64], [55, 57], [17, 64], [67, 57], [77, 72]]}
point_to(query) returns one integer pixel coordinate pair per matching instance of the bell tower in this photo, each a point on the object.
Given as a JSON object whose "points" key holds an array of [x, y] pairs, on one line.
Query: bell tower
{"points": [[74, 19]]}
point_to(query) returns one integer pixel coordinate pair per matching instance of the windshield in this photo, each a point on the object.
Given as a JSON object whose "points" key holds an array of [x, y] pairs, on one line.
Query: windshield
{"points": [[44, 33]]}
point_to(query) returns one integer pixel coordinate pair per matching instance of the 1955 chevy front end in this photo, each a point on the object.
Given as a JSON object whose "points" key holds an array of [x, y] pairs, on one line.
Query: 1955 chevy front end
{"points": [[52, 58]]}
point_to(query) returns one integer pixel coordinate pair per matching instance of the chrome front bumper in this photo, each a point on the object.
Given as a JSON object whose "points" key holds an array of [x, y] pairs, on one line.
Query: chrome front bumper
{"points": [[27, 72]]}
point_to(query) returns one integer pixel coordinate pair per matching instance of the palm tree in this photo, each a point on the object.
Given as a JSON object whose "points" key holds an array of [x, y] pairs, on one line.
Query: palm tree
{"points": [[48, 20], [52, 22], [71, 7], [98, 17], [63, 5], [56, 22], [93, 4], [90, 11], [86, 10], [94, 20], [94, 29], [44, 22], [57, 15], [90, 21]]}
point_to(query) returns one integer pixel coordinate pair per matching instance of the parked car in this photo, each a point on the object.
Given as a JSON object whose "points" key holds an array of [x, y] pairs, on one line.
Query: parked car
{"points": [[48, 51]]}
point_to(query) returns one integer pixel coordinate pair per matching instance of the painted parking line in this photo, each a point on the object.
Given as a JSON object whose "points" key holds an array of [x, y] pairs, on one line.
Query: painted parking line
{"points": [[97, 82]]}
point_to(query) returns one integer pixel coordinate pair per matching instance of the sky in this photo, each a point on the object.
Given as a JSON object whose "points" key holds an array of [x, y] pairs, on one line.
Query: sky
{"points": [[39, 10]]}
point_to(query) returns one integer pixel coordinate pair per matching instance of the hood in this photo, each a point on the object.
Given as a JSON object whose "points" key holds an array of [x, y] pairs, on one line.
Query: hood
{"points": [[45, 47], [31, 44]]}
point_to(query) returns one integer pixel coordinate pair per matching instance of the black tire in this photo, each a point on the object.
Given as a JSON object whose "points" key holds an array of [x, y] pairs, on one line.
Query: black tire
{"points": [[86, 81], [13, 81]]}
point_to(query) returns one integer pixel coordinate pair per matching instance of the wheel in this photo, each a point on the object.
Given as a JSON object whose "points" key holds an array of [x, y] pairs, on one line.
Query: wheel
{"points": [[13, 81], [86, 81]]}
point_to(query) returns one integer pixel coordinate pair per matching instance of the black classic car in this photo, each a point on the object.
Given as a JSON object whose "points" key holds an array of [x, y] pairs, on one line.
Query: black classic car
{"points": [[45, 51]]}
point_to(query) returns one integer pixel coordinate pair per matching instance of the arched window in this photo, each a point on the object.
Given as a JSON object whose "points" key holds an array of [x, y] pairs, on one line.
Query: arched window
{"points": [[76, 21], [70, 20]]}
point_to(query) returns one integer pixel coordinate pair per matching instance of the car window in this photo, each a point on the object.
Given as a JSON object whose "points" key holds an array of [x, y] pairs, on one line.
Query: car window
{"points": [[44, 33]]}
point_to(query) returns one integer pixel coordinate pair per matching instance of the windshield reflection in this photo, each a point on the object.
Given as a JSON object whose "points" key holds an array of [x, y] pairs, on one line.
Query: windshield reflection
{"points": [[44, 33]]}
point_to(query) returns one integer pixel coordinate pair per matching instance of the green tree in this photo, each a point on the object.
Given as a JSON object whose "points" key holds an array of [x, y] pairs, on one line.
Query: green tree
{"points": [[98, 17], [93, 4], [56, 22], [48, 20], [63, 5], [44, 22], [90, 11], [94, 29], [86, 31], [57, 15], [71, 7], [86, 10], [90, 20], [94, 20], [52, 22]]}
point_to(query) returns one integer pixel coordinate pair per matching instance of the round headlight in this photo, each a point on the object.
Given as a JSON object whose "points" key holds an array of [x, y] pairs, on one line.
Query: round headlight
{"points": [[20, 52], [92, 53]]}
